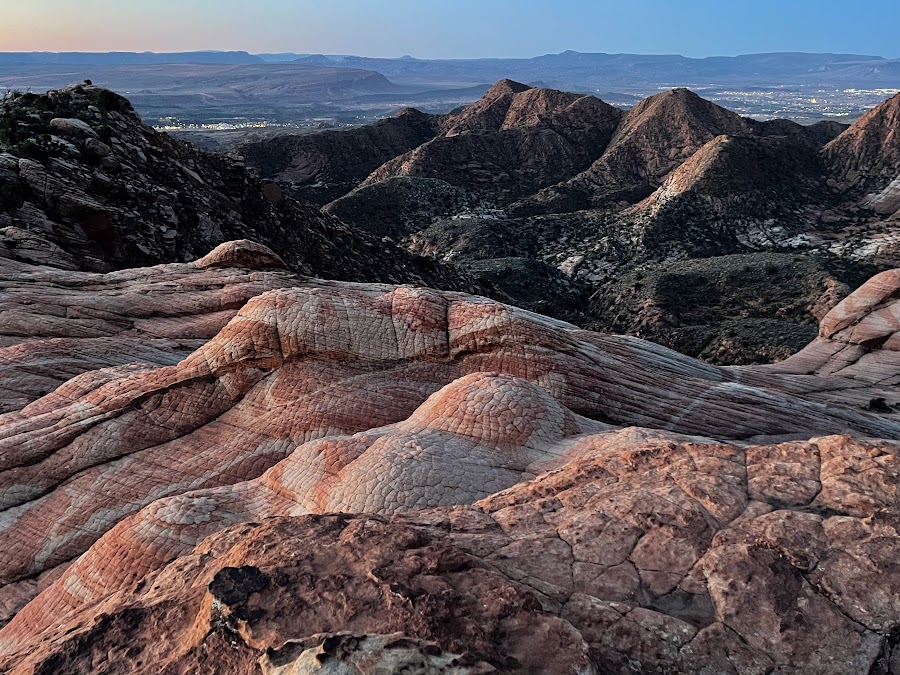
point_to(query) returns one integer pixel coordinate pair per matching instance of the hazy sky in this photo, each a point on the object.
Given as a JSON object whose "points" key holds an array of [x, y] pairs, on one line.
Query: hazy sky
{"points": [[453, 28]]}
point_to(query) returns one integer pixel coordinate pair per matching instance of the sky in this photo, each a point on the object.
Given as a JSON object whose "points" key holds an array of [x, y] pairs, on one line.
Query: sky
{"points": [[453, 28]]}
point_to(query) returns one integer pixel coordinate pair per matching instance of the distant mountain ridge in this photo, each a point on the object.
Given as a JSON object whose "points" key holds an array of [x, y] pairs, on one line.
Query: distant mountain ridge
{"points": [[203, 85], [128, 58], [599, 69], [584, 68]]}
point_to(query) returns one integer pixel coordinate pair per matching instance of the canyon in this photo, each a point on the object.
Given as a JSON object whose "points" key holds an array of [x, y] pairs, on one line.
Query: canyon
{"points": [[360, 401]]}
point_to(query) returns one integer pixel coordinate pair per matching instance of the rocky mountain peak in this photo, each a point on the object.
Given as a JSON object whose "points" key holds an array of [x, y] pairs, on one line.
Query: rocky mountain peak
{"points": [[410, 114], [85, 184], [866, 157], [676, 121], [510, 105], [505, 87], [487, 113]]}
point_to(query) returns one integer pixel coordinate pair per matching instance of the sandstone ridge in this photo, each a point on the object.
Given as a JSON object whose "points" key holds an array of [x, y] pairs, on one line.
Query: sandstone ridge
{"points": [[178, 515]]}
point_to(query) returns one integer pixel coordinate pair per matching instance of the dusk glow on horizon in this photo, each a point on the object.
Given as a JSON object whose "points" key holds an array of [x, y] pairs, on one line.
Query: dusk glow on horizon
{"points": [[441, 29]]}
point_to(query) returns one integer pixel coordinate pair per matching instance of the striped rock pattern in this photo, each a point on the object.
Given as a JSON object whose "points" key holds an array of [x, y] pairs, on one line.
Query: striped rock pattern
{"points": [[644, 552], [329, 397], [57, 324]]}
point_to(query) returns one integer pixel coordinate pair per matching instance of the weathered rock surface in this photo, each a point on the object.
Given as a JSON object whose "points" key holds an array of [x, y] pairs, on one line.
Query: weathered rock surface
{"points": [[85, 185], [733, 193], [57, 324], [676, 556], [518, 494]]}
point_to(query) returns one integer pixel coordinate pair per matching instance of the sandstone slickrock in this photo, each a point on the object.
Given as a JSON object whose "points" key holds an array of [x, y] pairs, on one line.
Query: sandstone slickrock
{"points": [[57, 324], [179, 517]]}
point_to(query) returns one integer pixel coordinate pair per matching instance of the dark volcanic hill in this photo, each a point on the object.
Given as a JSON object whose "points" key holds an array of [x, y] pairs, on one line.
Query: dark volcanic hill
{"points": [[85, 185], [654, 138], [865, 160], [513, 142], [325, 166], [735, 192], [596, 194]]}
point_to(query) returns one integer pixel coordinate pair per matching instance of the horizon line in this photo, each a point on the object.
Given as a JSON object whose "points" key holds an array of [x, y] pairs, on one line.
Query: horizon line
{"points": [[462, 58]]}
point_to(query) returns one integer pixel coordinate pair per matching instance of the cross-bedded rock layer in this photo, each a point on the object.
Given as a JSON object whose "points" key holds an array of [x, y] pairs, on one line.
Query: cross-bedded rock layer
{"points": [[529, 495]]}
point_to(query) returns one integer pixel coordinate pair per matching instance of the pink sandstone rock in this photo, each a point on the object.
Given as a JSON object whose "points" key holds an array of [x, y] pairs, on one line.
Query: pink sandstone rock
{"points": [[57, 324], [561, 487]]}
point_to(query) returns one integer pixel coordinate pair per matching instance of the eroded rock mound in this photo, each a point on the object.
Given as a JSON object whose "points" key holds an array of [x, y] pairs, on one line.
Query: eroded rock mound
{"points": [[398, 206], [57, 324], [517, 493], [241, 253]]}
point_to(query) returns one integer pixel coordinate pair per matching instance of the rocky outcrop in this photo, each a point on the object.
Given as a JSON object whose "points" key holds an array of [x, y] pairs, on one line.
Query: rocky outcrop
{"points": [[683, 555], [85, 185], [857, 341], [185, 505], [864, 162]]}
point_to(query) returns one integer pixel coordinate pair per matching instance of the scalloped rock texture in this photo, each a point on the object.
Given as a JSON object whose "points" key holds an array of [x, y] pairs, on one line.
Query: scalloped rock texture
{"points": [[517, 494]]}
